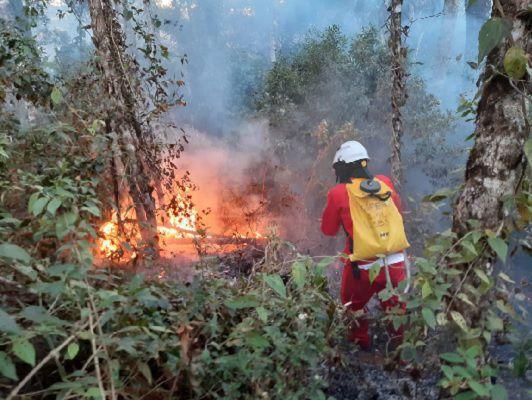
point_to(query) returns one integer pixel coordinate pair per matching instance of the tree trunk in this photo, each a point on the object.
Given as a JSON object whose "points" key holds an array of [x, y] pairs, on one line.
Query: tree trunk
{"points": [[495, 163], [398, 88], [121, 80]]}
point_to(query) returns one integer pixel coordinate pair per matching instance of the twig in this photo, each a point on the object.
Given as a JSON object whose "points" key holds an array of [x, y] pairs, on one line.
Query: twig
{"points": [[9, 282], [100, 332], [156, 387], [512, 84], [96, 360], [440, 14], [471, 265], [50, 355]]}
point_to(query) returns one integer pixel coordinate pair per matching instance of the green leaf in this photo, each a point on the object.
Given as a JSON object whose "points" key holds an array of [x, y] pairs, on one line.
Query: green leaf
{"points": [[469, 395], [321, 267], [505, 307], [494, 323], [255, 339], [426, 266], [299, 273], [7, 368], [374, 271], [460, 320], [145, 371], [448, 371], [92, 209], [470, 247], [452, 358], [408, 353], [505, 277], [498, 392], [452, 271], [491, 35], [53, 205], [72, 351], [14, 252], [33, 198], [65, 223], [426, 290], [465, 299], [482, 275], [428, 316], [440, 195], [441, 318], [473, 351], [246, 301], [24, 350], [276, 283], [40, 315], [8, 323], [520, 364], [515, 62], [263, 314], [478, 387], [56, 96], [93, 393], [38, 205], [26, 270], [499, 246]]}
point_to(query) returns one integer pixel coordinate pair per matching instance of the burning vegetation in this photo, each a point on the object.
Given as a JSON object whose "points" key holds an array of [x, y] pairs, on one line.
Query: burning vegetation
{"points": [[88, 179], [193, 222]]}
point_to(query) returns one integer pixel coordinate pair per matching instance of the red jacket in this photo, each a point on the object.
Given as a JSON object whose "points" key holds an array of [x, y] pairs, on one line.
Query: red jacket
{"points": [[337, 212]]}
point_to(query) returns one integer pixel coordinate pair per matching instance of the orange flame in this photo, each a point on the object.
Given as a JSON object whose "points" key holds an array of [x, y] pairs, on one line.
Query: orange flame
{"points": [[108, 242], [178, 230]]}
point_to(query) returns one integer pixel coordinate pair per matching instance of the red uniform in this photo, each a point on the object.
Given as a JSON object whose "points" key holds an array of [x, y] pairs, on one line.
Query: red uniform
{"points": [[357, 292]]}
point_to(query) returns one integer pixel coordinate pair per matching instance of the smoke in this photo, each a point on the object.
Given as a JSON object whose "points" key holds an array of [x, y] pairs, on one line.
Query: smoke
{"points": [[240, 188], [230, 45]]}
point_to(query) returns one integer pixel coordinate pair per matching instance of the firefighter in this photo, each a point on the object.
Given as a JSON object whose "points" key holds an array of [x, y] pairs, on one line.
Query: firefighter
{"points": [[368, 210]]}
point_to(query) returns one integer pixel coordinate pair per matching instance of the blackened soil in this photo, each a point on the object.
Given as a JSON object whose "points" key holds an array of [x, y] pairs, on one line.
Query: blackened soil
{"points": [[370, 376]]}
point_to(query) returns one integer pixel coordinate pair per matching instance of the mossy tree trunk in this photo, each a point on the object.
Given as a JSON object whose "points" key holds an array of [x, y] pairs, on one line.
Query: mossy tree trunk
{"points": [[125, 97], [398, 53], [495, 165]]}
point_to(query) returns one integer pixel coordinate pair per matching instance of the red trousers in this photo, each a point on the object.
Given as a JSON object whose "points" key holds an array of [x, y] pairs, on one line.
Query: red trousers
{"points": [[359, 291]]}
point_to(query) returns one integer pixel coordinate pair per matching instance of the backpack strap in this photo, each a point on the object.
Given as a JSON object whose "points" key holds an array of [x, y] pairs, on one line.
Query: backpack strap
{"points": [[354, 264], [382, 197]]}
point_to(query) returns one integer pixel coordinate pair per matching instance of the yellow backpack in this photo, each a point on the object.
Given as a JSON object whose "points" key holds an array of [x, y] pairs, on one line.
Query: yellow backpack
{"points": [[377, 224]]}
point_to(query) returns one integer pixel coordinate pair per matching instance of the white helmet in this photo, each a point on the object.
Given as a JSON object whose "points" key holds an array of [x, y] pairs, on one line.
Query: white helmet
{"points": [[351, 151]]}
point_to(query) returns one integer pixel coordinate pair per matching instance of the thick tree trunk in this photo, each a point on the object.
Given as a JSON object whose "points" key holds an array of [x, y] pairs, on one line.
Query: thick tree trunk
{"points": [[495, 164], [398, 88], [120, 75]]}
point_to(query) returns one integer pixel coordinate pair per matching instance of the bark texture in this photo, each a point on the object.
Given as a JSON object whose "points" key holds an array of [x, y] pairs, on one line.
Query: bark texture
{"points": [[495, 163], [121, 80], [398, 88]]}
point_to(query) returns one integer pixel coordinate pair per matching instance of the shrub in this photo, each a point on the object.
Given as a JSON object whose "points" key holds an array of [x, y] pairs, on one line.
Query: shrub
{"points": [[259, 337]]}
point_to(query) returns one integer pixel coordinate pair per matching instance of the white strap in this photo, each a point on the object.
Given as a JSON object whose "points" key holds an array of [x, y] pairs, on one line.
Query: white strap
{"points": [[388, 260]]}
